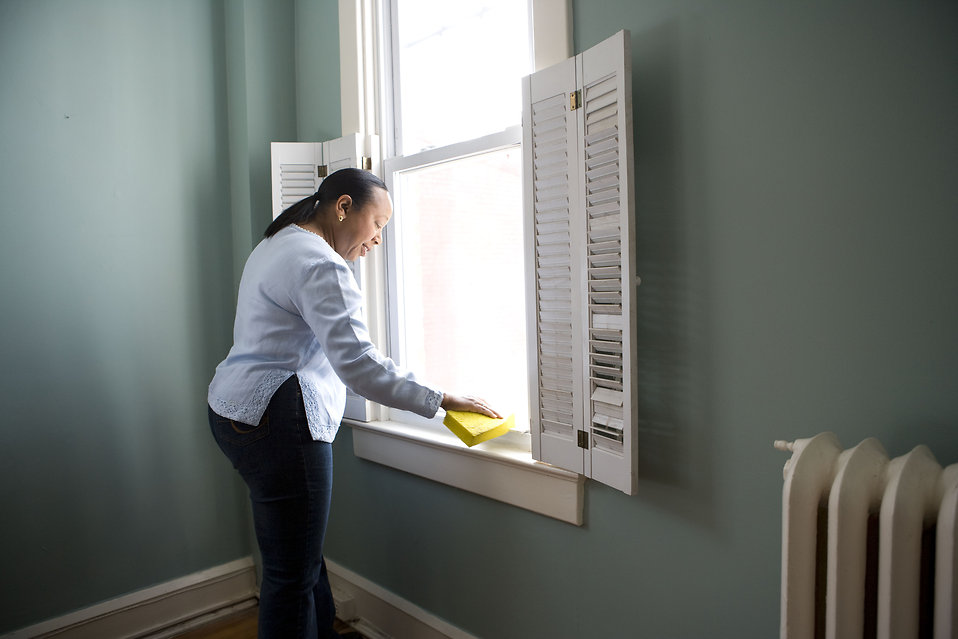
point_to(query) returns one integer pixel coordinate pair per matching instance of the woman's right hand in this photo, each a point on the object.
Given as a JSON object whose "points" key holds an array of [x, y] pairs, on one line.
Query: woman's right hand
{"points": [[469, 404]]}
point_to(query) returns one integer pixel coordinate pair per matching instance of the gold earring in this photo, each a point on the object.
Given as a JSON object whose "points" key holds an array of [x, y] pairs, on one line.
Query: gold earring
{"points": [[341, 218]]}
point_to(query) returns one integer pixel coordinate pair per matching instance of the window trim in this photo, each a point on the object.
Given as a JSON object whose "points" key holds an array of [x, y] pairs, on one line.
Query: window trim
{"points": [[502, 469]]}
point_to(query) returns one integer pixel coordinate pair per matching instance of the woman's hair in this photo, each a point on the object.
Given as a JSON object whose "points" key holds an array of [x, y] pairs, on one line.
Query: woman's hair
{"points": [[356, 183]]}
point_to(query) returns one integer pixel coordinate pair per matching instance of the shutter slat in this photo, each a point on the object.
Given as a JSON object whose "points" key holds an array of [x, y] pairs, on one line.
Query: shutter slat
{"points": [[606, 144]]}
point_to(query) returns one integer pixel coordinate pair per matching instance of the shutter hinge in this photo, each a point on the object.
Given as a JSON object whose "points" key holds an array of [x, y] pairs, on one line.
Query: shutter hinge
{"points": [[366, 163], [575, 100], [322, 170], [583, 439]]}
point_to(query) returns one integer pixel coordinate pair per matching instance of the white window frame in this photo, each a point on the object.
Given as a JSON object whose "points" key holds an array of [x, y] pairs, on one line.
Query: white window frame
{"points": [[502, 469]]}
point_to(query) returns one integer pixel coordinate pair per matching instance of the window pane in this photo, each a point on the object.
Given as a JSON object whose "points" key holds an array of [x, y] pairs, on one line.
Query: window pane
{"points": [[463, 291], [460, 62]]}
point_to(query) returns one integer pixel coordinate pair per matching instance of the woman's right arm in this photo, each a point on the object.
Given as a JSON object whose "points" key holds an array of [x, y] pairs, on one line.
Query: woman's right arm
{"points": [[331, 304]]}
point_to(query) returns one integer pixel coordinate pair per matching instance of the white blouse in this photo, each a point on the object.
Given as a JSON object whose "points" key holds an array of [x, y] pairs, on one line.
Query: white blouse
{"points": [[299, 311]]}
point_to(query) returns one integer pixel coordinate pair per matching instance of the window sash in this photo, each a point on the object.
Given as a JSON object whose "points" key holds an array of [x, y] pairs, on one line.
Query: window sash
{"points": [[392, 167], [550, 41]]}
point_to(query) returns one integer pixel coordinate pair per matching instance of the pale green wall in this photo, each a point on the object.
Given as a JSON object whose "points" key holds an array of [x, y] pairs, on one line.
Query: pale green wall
{"points": [[797, 222], [318, 113], [133, 167]]}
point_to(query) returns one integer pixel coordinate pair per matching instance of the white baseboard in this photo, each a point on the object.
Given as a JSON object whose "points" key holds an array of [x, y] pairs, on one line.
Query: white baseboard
{"points": [[381, 614], [160, 611]]}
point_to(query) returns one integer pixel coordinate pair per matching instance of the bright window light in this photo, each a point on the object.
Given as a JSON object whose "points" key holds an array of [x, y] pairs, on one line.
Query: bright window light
{"points": [[460, 65], [463, 296]]}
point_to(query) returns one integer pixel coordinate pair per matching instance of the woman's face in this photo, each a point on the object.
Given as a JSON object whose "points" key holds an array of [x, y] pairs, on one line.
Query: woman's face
{"points": [[362, 229]]}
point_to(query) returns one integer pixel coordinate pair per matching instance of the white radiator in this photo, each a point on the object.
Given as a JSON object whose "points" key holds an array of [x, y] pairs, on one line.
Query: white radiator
{"points": [[868, 543]]}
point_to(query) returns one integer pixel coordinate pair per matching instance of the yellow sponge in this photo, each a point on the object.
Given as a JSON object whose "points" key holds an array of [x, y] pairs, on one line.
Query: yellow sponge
{"points": [[473, 428]]}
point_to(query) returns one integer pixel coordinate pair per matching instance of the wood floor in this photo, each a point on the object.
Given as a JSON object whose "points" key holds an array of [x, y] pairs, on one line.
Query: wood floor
{"points": [[242, 625]]}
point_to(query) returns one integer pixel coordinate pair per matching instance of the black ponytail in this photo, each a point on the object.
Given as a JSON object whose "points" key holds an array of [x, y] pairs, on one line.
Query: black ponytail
{"points": [[356, 183]]}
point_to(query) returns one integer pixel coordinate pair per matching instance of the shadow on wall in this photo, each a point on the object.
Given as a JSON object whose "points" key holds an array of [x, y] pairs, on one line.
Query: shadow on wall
{"points": [[675, 433]]}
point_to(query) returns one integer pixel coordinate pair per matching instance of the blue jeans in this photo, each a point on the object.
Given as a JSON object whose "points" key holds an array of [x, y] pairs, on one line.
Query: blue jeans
{"points": [[290, 478]]}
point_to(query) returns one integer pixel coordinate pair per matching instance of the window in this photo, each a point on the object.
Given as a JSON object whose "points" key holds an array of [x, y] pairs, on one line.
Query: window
{"points": [[461, 297], [422, 167], [454, 248], [456, 251]]}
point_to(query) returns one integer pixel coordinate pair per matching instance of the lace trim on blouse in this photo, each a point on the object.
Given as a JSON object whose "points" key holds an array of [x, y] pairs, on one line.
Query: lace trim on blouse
{"points": [[251, 410], [433, 401], [318, 429]]}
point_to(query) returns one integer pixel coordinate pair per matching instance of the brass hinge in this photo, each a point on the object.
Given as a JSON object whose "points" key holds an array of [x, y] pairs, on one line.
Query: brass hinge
{"points": [[583, 439], [322, 170], [575, 100], [366, 163]]}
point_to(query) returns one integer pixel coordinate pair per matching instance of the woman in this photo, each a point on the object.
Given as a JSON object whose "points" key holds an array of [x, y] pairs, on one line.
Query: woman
{"points": [[276, 401]]}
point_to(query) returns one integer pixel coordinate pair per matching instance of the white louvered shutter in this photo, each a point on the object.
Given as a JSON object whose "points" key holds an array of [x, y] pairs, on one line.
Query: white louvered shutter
{"points": [[577, 154], [297, 169], [554, 275]]}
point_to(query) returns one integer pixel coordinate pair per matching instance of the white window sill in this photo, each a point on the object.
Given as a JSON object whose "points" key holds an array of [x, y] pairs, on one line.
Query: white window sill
{"points": [[501, 469]]}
